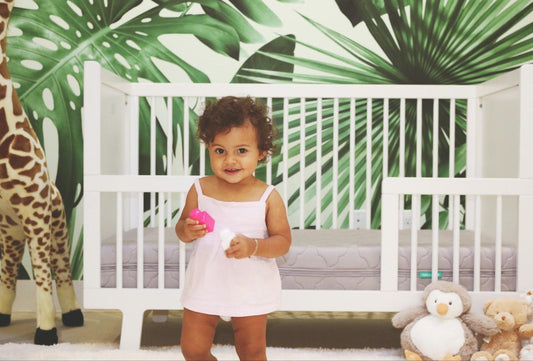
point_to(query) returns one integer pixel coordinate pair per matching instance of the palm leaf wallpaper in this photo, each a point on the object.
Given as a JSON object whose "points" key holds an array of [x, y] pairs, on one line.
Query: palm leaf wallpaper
{"points": [[267, 41]]}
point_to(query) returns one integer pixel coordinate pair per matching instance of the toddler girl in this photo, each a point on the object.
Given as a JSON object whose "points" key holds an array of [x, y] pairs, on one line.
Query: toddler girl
{"points": [[241, 282]]}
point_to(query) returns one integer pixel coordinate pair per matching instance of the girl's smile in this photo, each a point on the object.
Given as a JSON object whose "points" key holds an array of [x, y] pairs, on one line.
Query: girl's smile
{"points": [[234, 154]]}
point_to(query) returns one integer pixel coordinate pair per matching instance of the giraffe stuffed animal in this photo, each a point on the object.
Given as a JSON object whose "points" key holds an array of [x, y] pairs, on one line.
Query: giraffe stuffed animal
{"points": [[31, 211]]}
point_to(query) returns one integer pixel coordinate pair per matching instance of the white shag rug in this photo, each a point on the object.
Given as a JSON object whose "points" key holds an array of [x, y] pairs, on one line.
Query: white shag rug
{"points": [[68, 351]]}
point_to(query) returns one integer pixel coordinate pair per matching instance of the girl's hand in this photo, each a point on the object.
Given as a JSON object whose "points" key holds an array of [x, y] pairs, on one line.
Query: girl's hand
{"points": [[193, 230], [241, 247]]}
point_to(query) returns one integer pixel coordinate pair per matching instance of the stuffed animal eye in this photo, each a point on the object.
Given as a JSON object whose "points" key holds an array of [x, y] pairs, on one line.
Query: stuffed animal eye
{"points": [[450, 303]]}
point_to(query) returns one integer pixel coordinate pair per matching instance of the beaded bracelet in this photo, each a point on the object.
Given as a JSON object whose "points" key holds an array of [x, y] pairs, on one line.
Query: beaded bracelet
{"points": [[255, 250]]}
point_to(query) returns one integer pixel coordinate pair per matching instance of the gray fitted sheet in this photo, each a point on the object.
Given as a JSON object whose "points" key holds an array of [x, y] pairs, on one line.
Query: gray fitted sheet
{"points": [[325, 259]]}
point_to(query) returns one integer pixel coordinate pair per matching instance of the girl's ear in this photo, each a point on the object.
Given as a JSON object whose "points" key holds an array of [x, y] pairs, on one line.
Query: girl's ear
{"points": [[263, 154]]}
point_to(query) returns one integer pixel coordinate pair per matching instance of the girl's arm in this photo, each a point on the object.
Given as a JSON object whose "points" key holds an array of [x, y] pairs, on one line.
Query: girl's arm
{"points": [[279, 240], [188, 229]]}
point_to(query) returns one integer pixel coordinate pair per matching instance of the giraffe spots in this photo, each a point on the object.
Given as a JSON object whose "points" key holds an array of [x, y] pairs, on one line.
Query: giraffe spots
{"points": [[32, 188], [39, 215], [44, 177], [21, 143], [4, 128], [39, 153], [44, 192], [16, 199], [11, 221], [36, 169], [30, 222], [4, 147], [56, 213], [18, 162], [3, 171], [3, 67], [17, 107], [4, 11], [12, 184], [37, 231]]}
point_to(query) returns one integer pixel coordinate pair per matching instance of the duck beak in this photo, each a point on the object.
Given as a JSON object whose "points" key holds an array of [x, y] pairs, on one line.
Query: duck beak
{"points": [[442, 309]]}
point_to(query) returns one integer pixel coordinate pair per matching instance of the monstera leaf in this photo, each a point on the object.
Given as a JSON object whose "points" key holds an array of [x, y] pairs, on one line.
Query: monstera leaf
{"points": [[49, 41]]}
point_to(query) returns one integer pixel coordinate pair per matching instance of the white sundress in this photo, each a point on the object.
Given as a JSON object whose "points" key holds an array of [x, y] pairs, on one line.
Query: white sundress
{"points": [[217, 285]]}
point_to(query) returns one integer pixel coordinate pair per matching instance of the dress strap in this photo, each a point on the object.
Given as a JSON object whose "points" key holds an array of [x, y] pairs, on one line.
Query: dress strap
{"points": [[198, 187], [267, 192]]}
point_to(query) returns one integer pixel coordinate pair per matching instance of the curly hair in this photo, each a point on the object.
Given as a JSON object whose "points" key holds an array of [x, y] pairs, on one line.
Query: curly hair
{"points": [[230, 111]]}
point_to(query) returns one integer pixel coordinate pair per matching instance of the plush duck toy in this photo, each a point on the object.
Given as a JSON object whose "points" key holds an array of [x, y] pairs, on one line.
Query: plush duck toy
{"points": [[442, 329]]}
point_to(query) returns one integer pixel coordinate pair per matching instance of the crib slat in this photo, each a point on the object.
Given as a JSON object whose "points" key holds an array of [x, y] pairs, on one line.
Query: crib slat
{"points": [[456, 241], [152, 155], [351, 186], [119, 228], [498, 247], [385, 138], [269, 162], [368, 187], [170, 140], [436, 137], [319, 164], [471, 149], [202, 149], [285, 146], [452, 138], [415, 226], [435, 238], [419, 137], [140, 241], [335, 204], [302, 164], [182, 254], [186, 155], [402, 138], [477, 244], [389, 242], [161, 245]]}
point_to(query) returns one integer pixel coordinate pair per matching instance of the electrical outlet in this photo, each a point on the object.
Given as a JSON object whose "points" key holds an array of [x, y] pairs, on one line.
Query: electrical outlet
{"points": [[407, 219], [359, 218]]}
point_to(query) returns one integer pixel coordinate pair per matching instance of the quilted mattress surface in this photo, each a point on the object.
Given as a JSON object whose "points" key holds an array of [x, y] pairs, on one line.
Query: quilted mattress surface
{"points": [[325, 259]]}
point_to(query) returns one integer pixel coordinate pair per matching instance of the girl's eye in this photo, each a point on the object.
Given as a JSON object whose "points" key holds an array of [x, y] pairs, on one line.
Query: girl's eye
{"points": [[241, 150], [219, 151]]}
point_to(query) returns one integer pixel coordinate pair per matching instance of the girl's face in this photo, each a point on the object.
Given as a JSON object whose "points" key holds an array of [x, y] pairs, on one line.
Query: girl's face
{"points": [[234, 154]]}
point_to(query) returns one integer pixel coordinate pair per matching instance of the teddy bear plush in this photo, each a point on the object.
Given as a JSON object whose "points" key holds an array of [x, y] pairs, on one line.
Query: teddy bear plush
{"points": [[511, 316], [444, 328]]}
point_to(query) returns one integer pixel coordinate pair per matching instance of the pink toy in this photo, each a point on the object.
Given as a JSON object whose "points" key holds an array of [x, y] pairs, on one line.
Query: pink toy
{"points": [[203, 218]]}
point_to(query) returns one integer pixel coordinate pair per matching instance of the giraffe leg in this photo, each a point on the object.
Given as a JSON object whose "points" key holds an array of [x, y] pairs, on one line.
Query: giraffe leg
{"points": [[11, 249], [60, 262], [46, 333]]}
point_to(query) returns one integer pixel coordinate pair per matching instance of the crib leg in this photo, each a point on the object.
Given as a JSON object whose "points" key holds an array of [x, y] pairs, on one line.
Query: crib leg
{"points": [[132, 324]]}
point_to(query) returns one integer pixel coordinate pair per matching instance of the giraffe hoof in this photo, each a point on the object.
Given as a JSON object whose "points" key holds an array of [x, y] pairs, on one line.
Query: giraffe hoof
{"points": [[5, 319], [45, 337], [73, 318]]}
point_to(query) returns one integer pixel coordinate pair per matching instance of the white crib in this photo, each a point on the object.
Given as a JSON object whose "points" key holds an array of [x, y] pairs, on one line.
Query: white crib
{"points": [[489, 205]]}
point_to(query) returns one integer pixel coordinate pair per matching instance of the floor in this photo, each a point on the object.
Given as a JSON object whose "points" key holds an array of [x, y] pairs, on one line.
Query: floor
{"points": [[285, 329]]}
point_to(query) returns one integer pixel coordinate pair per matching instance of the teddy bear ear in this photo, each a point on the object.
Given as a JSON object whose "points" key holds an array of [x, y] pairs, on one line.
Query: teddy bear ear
{"points": [[487, 305]]}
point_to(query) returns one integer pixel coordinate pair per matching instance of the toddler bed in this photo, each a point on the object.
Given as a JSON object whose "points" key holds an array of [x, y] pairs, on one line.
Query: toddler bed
{"points": [[372, 225]]}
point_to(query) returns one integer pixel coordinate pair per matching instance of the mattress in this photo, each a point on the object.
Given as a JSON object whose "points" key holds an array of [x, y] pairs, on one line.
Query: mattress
{"points": [[326, 259]]}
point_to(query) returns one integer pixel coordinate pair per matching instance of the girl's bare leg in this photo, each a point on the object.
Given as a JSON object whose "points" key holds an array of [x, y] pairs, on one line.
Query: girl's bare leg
{"points": [[250, 337], [197, 333]]}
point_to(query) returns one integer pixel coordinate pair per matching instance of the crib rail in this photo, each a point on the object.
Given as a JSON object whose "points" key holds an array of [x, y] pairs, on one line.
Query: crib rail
{"points": [[501, 209]]}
